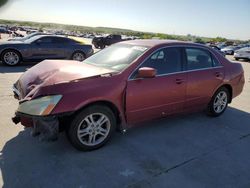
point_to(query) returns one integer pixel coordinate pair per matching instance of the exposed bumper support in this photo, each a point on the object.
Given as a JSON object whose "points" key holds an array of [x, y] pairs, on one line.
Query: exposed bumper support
{"points": [[16, 119], [47, 128]]}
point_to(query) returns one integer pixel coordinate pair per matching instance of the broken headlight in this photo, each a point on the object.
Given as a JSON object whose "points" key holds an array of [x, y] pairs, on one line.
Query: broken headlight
{"points": [[41, 106]]}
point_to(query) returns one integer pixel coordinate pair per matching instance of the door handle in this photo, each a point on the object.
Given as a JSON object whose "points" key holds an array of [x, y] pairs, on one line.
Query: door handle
{"points": [[179, 80]]}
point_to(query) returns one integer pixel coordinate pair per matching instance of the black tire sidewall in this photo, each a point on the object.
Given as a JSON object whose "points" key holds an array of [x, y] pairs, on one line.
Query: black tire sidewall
{"points": [[211, 110], [72, 131]]}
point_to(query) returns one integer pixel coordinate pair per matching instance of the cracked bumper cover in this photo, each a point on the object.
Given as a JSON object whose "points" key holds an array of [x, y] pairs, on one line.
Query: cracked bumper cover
{"points": [[47, 126]]}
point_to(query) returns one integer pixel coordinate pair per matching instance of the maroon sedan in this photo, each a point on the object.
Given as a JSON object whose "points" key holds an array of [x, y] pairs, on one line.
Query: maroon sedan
{"points": [[122, 85]]}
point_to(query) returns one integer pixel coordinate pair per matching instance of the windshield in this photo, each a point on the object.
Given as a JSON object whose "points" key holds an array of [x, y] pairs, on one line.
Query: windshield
{"points": [[116, 57]]}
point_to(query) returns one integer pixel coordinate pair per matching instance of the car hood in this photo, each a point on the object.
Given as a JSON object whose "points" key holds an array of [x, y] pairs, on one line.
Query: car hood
{"points": [[50, 72]]}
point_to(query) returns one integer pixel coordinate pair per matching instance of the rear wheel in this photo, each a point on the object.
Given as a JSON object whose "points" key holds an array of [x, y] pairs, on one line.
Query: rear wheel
{"points": [[96, 46], [92, 128], [11, 57], [78, 56], [219, 102], [102, 46]]}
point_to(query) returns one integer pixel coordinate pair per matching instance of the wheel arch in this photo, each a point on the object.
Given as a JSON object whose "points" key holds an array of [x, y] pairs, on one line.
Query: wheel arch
{"points": [[108, 104]]}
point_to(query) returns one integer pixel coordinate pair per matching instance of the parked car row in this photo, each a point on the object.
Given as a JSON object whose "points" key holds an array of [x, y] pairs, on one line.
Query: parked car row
{"points": [[241, 51]]}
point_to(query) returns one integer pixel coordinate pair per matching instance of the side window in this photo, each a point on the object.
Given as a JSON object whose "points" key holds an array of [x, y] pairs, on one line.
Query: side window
{"points": [[45, 40], [215, 62], [59, 40], [165, 61], [198, 59]]}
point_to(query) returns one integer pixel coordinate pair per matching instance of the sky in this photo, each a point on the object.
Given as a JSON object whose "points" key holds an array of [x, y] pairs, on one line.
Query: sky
{"points": [[209, 18]]}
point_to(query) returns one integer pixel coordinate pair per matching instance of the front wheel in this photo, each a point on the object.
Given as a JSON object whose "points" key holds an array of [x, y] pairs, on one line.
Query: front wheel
{"points": [[219, 102], [11, 58], [92, 128]]}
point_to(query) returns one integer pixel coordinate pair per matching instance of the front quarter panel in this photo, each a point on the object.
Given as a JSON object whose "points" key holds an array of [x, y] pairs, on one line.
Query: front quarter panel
{"points": [[78, 94]]}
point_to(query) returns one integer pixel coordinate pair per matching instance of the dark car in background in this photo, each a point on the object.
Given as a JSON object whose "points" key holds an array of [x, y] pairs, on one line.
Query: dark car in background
{"points": [[102, 42], [42, 47], [4, 30]]}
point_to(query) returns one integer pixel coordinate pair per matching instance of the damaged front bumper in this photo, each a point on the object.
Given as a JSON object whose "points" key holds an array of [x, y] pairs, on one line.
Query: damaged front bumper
{"points": [[46, 127]]}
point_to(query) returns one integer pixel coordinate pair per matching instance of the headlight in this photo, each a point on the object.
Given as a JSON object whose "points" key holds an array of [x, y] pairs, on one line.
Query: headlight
{"points": [[41, 106]]}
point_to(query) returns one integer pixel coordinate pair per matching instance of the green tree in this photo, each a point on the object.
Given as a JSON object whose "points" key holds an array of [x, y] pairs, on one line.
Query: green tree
{"points": [[199, 40]]}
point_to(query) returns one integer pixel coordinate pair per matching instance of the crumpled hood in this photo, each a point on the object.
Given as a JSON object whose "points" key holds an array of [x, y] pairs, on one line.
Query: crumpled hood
{"points": [[50, 72]]}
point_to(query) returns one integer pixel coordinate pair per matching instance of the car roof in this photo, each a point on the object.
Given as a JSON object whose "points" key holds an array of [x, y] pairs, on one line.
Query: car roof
{"points": [[156, 42], [52, 36]]}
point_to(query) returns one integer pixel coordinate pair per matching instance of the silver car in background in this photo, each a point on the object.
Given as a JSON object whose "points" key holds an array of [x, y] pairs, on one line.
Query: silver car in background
{"points": [[243, 53], [229, 50]]}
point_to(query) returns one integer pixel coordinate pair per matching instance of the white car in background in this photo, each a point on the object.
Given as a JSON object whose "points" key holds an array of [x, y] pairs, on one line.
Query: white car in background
{"points": [[229, 50], [243, 53]]}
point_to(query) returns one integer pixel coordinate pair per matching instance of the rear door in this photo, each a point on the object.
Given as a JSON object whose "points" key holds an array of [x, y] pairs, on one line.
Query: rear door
{"points": [[63, 47], [205, 74], [162, 95]]}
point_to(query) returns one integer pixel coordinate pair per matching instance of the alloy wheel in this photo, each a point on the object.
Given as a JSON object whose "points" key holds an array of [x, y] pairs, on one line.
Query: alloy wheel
{"points": [[220, 102], [11, 58], [93, 129], [78, 56]]}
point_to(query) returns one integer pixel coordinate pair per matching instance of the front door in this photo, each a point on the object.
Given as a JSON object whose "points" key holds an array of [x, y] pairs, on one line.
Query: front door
{"points": [[162, 95]]}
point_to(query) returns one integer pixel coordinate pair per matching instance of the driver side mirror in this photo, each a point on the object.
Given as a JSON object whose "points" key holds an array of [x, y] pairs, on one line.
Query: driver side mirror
{"points": [[146, 72]]}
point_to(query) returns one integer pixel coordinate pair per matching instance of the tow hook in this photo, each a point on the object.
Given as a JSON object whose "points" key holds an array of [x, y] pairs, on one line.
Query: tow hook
{"points": [[16, 119]]}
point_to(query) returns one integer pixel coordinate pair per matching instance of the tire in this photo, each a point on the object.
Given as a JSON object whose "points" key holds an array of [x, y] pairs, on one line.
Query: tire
{"points": [[85, 136], [78, 56], [232, 53], [237, 59], [219, 102], [11, 57], [102, 46]]}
